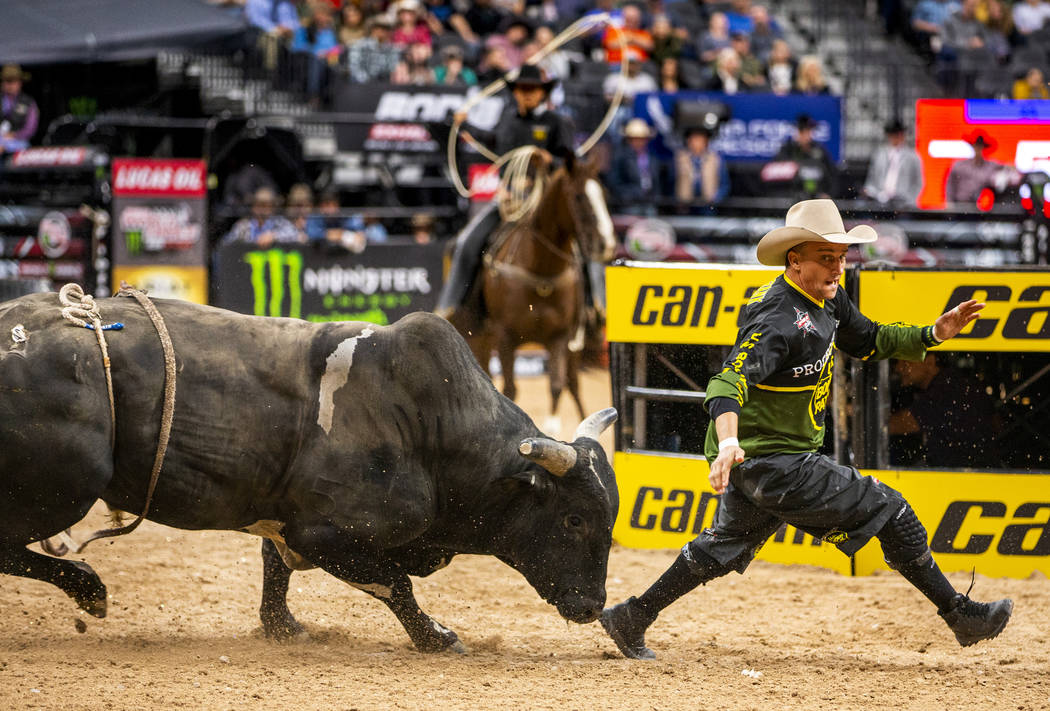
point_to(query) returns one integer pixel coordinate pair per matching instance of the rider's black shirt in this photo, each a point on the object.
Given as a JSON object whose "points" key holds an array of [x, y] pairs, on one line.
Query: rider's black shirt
{"points": [[543, 129]]}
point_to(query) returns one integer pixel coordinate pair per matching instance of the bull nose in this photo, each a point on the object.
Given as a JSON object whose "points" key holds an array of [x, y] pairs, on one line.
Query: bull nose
{"points": [[581, 610]]}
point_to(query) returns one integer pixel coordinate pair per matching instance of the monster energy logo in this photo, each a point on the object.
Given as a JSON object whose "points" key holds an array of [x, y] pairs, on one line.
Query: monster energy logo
{"points": [[133, 241], [268, 275]]}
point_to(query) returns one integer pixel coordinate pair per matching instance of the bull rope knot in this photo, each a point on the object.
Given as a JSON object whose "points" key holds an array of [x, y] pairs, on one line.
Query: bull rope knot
{"points": [[78, 306]]}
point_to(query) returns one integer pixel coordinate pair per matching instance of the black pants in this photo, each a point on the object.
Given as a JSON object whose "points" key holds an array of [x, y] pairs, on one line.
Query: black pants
{"points": [[466, 256], [809, 491]]}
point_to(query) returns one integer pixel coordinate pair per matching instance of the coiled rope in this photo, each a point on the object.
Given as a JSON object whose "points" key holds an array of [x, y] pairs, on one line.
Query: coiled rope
{"points": [[80, 308], [517, 198]]}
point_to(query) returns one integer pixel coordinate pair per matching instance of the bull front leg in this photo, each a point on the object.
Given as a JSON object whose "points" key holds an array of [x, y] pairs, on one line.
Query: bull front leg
{"points": [[277, 620], [366, 569], [72, 577]]}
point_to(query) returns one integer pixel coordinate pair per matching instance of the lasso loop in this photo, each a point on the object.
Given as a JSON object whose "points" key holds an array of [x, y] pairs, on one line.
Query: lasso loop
{"points": [[518, 192]]}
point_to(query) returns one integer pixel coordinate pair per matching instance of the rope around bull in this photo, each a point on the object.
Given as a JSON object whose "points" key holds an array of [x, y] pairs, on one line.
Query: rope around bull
{"points": [[82, 310], [515, 202]]}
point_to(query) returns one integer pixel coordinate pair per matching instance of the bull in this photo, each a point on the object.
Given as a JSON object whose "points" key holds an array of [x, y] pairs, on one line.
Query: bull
{"points": [[373, 452]]}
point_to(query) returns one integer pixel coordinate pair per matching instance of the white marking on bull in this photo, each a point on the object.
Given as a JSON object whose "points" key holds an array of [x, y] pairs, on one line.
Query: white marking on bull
{"points": [[336, 373], [438, 627], [272, 530], [381, 591], [593, 190], [594, 470]]}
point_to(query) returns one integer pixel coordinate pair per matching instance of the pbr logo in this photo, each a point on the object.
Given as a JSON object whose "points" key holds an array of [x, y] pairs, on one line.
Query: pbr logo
{"points": [[650, 240], [54, 234], [803, 321]]}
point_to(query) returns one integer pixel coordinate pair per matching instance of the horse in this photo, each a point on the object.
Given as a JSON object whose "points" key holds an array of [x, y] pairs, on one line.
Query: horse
{"points": [[531, 281]]}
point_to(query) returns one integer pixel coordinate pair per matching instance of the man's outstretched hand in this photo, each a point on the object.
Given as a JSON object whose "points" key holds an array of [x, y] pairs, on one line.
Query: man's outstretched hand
{"points": [[954, 320]]}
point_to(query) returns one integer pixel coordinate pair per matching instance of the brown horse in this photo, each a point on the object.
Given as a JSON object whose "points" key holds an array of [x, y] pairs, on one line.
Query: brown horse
{"points": [[532, 282]]}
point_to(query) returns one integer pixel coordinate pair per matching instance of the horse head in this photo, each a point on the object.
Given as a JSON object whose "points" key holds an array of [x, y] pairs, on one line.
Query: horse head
{"points": [[576, 184]]}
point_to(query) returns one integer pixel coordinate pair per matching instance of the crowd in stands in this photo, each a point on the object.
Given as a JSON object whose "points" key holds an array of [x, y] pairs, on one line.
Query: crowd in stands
{"points": [[964, 38]]}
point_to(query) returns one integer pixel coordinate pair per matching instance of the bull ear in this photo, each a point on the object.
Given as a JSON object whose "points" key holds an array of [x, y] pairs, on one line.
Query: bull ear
{"points": [[556, 457], [597, 423]]}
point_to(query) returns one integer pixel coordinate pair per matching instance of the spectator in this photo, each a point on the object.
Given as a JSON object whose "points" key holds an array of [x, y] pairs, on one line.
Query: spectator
{"points": [[1030, 16], [493, 65], [1031, 86], [752, 70], [666, 44], [715, 39], [781, 69], [481, 20], [262, 227], [739, 17], [317, 40], [414, 67], [670, 76], [637, 180], [994, 15], [952, 414], [701, 177], [409, 26], [964, 32], [244, 180], [298, 208], [817, 175], [276, 21], [557, 64], [515, 34], [373, 58], [764, 32], [726, 78], [927, 21], [327, 226], [968, 177], [353, 28], [634, 82], [895, 171], [19, 115], [631, 38], [438, 14], [451, 69], [809, 76], [422, 228]]}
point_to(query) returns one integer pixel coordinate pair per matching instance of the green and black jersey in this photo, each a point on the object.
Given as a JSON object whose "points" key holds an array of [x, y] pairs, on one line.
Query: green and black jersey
{"points": [[779, 372]]}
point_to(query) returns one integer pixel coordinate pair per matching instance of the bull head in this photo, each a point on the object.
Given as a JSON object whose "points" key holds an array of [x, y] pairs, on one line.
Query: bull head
{"points": [[558, 457]]}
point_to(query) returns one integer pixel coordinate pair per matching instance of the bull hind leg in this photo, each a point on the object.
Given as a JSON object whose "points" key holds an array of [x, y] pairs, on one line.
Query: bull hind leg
{"points": [[368, 570], [277, 620], [72, 577]]}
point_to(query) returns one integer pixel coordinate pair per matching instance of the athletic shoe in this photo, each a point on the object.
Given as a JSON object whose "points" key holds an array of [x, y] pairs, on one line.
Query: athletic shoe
{"points": [[973, 621], [627, 629]]}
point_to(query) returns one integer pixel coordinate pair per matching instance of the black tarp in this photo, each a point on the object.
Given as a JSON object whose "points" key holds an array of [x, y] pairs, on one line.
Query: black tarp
{"points": [[53, 31]]}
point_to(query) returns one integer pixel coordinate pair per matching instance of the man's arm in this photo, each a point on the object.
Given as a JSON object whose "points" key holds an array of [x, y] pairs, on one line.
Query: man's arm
{"points": [[729, 451], [951, 322]]}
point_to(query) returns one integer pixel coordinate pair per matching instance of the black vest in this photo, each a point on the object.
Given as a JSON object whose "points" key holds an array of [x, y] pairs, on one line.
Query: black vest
{"points": [[18, 114]]}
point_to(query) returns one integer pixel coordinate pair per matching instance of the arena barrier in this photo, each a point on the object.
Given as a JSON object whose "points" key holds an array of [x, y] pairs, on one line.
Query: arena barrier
{"points": [[668, 326]]}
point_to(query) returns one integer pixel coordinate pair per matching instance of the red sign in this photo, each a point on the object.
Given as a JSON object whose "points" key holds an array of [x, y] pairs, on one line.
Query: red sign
{"points": [[49, 157], [147, 177], [484, 182], [1017, 133]]}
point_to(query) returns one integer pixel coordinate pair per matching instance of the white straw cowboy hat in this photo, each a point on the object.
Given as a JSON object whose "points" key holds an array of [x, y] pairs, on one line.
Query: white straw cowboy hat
{"points": [[809, 221]]}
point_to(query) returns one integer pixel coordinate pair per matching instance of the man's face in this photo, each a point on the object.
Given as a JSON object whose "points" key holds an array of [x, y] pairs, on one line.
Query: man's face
{"points": [[12, 87], [639, 144], [895, 139], [805, 137], [262, 207], [528, 96], [816, 267], [696, 143]]}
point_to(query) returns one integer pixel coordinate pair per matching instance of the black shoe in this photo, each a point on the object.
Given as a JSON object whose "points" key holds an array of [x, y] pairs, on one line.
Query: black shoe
{"points": [[973, 621], [627, 628]]}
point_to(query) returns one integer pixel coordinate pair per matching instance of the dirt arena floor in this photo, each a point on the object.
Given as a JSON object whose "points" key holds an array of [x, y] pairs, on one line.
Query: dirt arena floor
{"points": [[182, 633]]}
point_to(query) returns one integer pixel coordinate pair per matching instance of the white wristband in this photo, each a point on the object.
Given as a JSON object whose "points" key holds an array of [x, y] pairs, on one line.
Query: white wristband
{"points": [[728, 442]]}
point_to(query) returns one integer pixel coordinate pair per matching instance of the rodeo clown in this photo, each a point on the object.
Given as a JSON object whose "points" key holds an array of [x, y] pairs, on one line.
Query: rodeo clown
{"points": [[767, 421]]}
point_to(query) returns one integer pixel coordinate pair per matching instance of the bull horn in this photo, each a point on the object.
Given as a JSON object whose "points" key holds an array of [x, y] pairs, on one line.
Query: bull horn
{"points": [[597, 423], [556, 457]]}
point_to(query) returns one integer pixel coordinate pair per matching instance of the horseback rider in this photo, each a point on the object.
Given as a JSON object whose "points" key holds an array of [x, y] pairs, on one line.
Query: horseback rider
{"points": [[529, 121]]}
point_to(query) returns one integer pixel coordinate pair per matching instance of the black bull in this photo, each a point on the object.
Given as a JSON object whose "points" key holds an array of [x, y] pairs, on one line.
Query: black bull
{"points": [[372, 452]]}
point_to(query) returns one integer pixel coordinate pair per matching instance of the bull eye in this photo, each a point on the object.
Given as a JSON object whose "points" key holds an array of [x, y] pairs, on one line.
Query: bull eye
{"points": [[573, 521]]}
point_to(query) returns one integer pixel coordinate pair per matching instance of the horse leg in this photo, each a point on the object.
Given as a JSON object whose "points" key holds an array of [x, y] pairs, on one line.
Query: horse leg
{"points": [[557, 370], [506, 348], [72, 577], [573, 382]]}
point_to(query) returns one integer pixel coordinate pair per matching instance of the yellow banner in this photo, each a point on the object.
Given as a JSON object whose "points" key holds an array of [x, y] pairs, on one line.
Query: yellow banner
{"points": [[998, 523], [679, 303], [1014, 319], [166, 282]]}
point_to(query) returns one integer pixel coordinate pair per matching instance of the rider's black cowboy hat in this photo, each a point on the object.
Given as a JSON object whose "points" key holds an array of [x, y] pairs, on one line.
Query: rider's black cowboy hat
{"points": [[530, 75]]}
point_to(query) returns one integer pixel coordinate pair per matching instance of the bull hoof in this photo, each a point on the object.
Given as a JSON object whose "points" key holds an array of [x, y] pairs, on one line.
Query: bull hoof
{"points": [[284, 630], [443, 639], [89, 592]]}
